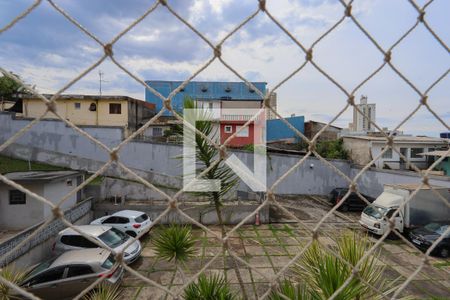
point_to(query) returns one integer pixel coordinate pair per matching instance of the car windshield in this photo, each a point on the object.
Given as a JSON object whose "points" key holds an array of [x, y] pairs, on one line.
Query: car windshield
{"points": [[41, 267], [436, 228], [376, 212], [113, 237]]}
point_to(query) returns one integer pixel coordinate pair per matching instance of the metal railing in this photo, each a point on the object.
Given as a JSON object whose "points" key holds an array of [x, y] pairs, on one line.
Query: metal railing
{"points": [[348, 101]]}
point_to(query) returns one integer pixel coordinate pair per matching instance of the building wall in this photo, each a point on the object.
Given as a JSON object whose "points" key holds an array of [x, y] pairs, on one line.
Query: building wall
{"points": [[34, 108], [394, 160], [312, 128], [20, 216], [57, 189], [361, 122], [363, 151], [278, 130], [237, 140], [359, 150], [201, 90]]}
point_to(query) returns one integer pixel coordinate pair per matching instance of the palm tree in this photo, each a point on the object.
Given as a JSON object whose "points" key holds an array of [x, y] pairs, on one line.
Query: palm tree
{"points": [[14, 276], [213, 287], [207, 155], [324, 273], [175, 243]]}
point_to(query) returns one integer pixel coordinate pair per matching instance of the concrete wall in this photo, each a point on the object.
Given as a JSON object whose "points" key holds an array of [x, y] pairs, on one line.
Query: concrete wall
{"points": [[204, 214], [372, 181], [43, 251], [20, 216], [55, 143]]}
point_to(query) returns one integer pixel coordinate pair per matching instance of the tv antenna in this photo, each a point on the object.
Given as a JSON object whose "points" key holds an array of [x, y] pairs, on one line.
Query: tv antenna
{"points": [[100, 75]]}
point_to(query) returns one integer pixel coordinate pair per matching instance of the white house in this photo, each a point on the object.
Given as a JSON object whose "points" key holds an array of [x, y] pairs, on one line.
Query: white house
{"points": [[19, 210], [363, 149]]}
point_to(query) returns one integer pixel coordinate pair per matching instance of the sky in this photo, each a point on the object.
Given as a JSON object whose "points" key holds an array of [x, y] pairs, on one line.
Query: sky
{"points": [[48, 51]]}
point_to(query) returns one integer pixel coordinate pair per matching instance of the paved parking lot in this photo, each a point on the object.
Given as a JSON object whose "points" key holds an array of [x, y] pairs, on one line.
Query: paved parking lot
{"points": [[269, 247]]}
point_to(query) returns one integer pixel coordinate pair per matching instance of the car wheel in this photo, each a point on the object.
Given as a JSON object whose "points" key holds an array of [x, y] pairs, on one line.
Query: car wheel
{"points": [[131, 233], [444, 252]]}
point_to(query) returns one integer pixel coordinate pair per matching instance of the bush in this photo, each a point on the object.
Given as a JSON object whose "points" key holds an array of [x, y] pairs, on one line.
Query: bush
{"points": [[175, 243], [214, 287], [332, 149]]}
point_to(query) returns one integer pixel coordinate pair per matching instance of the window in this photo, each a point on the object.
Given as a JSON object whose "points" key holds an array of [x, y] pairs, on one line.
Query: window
{"points": [[415, 152], [228, 129], [141, 218], [115, 108], [388, 153], [110, 220], [17, 197], [157, 131], [243, 133], [77, 105], [210, 104], [48, 276], [93, 107], [122, 220], [77, 241], [79, 270]]}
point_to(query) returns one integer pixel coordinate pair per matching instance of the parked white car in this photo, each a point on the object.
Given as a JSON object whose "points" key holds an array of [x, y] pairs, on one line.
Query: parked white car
{"points": [[69, 239], [131, 222]]}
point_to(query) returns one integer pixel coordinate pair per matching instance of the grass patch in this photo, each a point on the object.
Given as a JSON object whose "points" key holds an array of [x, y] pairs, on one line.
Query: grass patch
{"points": [[442, 264], [8, 165]]}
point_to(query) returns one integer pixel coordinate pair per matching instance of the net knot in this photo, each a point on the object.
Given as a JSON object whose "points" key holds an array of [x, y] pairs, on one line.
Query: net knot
{"points": [[351, 100], [262, 5], [114, 155], [424, 100], [348, 10], [167, 104], [309, 54], [218, 51], [108, 50], [421, 16], [387, 56], [57, 213]]}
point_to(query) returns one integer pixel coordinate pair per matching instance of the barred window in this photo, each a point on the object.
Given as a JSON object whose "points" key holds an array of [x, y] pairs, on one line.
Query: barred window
{"points": [[17, 197]]}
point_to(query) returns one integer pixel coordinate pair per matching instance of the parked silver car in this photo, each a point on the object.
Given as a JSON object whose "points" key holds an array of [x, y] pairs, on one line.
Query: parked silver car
{"points": [[70, 273], [69, 239]]}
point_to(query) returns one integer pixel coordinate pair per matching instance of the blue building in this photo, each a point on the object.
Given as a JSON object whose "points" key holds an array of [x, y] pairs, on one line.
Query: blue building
{"points": [[207, 91], [278, 130]]}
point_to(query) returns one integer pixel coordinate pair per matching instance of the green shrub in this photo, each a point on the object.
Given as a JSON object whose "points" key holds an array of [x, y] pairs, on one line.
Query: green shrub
{"points": [[214, 287], [175, 243]]}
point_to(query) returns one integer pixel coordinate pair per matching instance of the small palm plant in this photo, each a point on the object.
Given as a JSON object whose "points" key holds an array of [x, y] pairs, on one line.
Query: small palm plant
{"points": [[14, 276], [289, 290], [175, 243], [324, 273], [213, 287], [104, 292]]}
